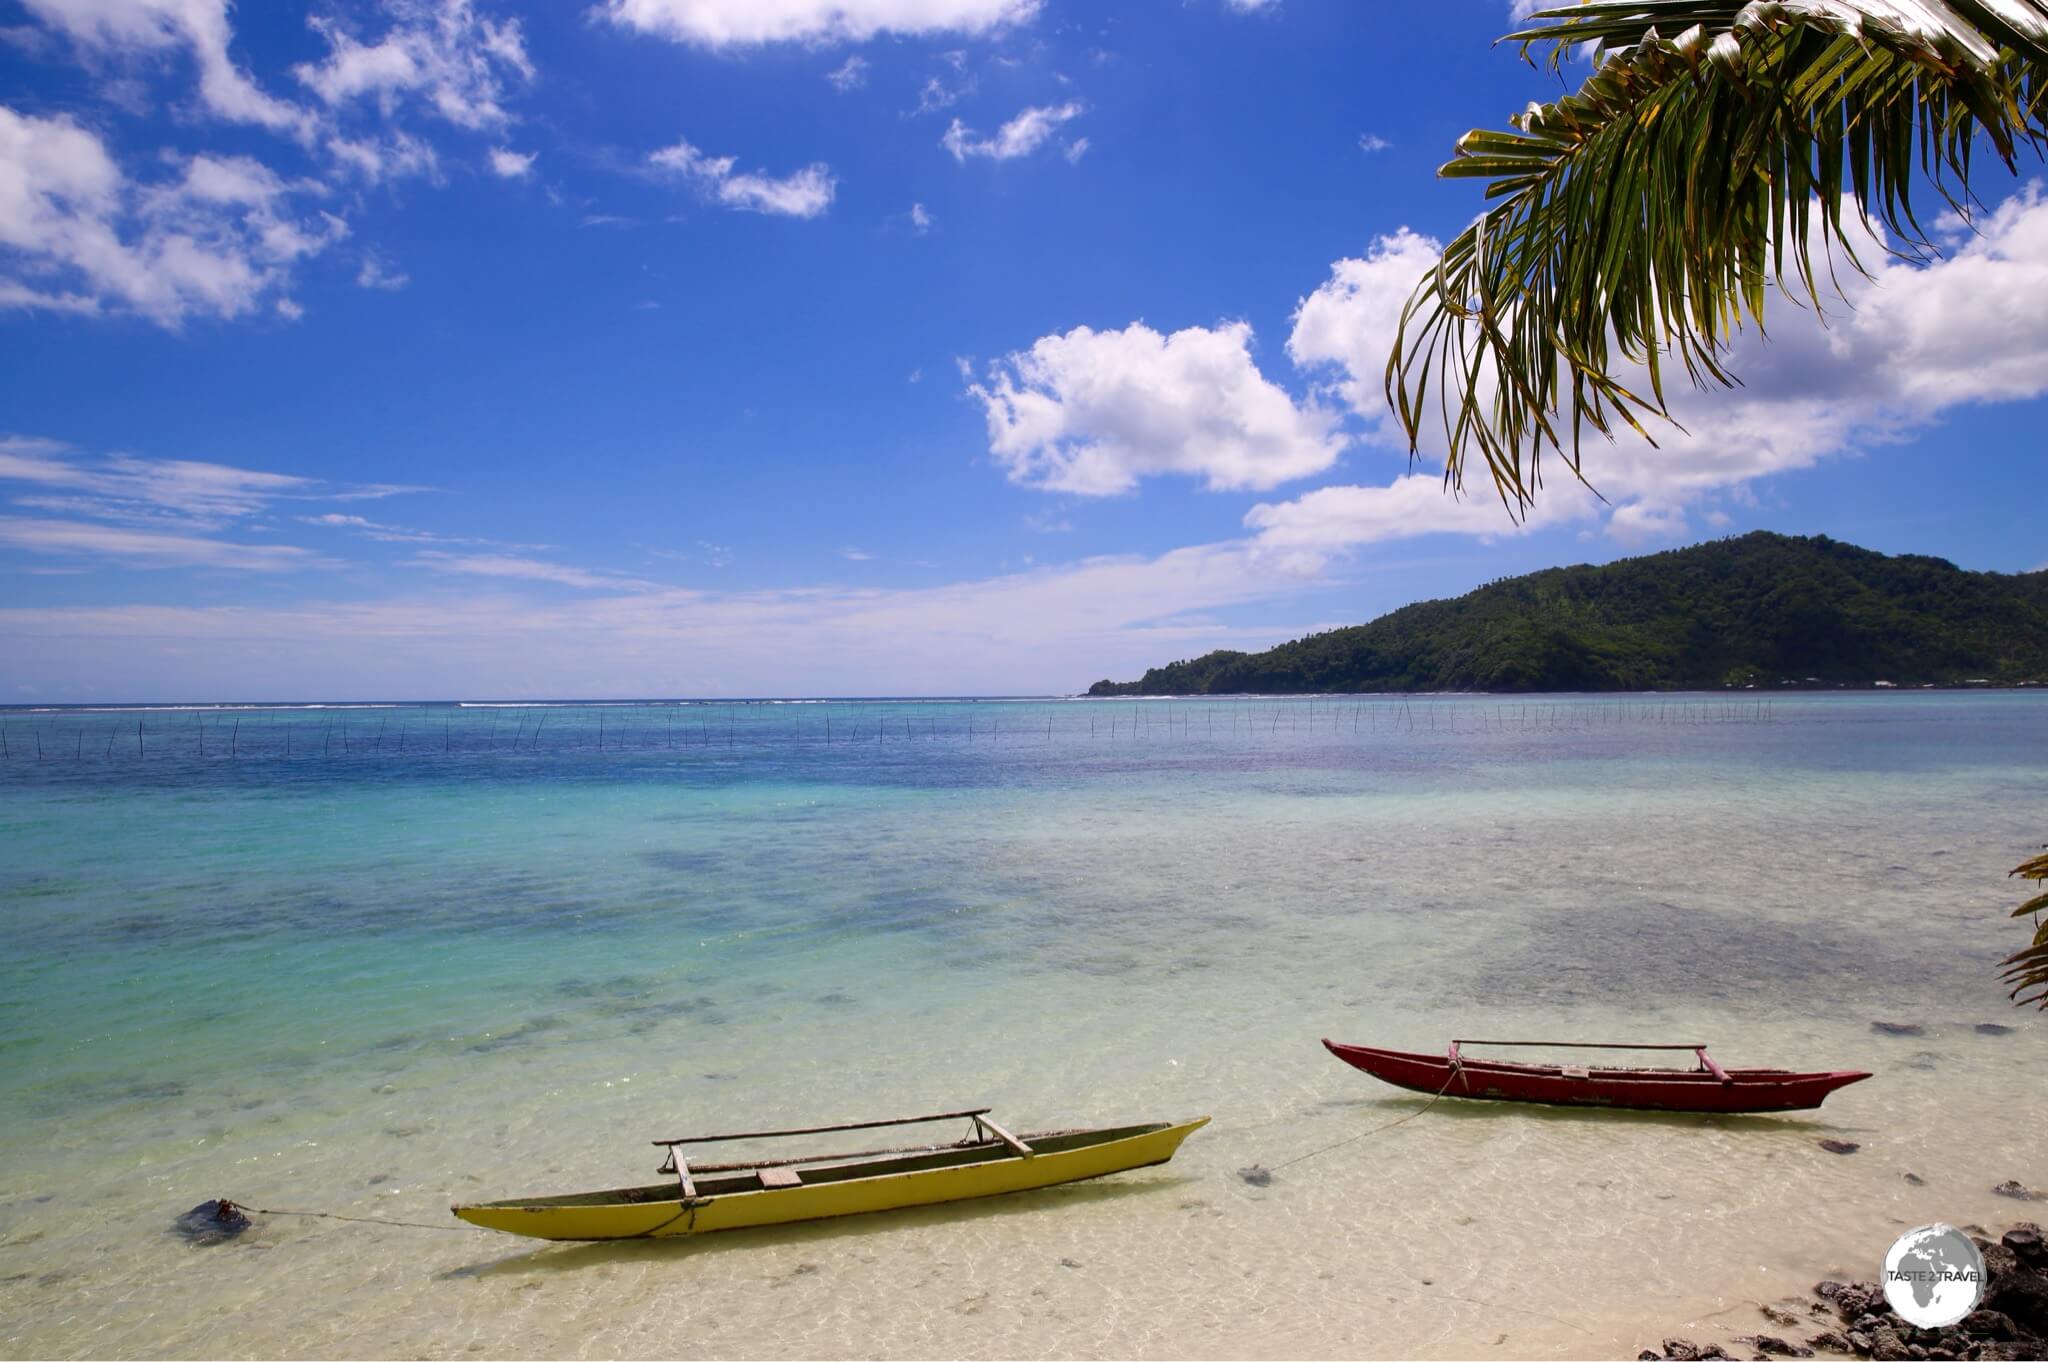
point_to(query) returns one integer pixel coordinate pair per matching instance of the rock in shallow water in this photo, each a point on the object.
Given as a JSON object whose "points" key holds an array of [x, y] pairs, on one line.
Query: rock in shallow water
{"points": [[212, 1222], [1839, 1146], [1257, 1176], [1884, 1028]]}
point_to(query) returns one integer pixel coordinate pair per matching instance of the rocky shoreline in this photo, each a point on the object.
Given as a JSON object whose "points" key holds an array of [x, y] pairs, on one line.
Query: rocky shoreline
{"points": [[2010, 1323]]}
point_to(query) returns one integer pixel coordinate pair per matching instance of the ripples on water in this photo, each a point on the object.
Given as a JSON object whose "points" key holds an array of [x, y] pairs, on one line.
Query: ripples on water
{"points": [[371, 960]]}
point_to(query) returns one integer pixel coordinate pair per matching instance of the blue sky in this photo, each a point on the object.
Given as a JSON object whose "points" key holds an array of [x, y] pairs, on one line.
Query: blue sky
{"points": [[420, 348]]}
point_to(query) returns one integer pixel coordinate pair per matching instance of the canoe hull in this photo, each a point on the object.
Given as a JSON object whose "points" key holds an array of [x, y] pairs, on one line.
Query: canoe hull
{"points": [[1744, 1090], [598, 1216]]}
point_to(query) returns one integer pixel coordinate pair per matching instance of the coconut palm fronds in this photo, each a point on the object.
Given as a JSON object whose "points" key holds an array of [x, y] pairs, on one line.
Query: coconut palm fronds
{"points": [[1715, 151], [2028, 969]]}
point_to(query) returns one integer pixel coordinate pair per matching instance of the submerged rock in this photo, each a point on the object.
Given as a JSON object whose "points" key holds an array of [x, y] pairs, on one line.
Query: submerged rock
{"points": [[1885, 1028], [212, 1222], [2012, 1188], [1257, 1176], [1839, 1146], [1916, 1180], [1993, 1029]]}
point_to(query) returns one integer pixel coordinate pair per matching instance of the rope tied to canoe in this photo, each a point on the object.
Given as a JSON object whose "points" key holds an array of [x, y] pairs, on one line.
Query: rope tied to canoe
{"points": [[1265, 1175], [228, 1209]]}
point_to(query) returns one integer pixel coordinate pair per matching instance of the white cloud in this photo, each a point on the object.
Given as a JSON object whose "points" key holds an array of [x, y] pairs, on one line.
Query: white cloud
{"points": [[528, 569], [386, 156], [1371, 142], [1050, 629], [1349, 322], [133, 29], [214, 240], [508, 164], [1021, 136], [1092, 412], [935, 95], [920, 219], [1252, 6], [376, 274], [186, 494], [1912, 342], [850, 74], [739, 23], [149, 548], [456, 62], [1075, 150], [805, 193]]}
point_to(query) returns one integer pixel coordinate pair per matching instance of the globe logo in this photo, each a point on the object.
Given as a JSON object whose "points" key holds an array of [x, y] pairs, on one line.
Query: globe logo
{"points": [[1933, 1276]]}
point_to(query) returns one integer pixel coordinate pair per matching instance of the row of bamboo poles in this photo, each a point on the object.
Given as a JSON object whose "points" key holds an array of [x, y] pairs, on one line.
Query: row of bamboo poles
{"points": [[428, 731]]}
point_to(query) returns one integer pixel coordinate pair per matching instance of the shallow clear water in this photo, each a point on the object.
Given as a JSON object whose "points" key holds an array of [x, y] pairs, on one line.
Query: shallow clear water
{"points": [[369, 961]]}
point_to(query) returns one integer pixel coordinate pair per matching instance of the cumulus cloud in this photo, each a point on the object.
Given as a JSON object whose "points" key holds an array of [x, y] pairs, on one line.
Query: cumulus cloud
{"points": [[1912, 342], [806, 193], [1092, 412], [742, 23], [216, 238], [1021, 136]]}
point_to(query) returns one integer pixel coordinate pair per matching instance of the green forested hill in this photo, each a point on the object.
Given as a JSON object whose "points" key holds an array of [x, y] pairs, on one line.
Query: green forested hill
{"points": [[1762, 608]]}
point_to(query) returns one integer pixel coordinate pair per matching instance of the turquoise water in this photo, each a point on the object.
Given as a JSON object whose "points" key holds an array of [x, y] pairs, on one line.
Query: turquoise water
{"points": [[370, 960]]}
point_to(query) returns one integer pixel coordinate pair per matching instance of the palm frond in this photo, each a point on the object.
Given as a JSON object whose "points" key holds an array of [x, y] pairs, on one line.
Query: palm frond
{"points": [[2028, 969], [1641, 220]]}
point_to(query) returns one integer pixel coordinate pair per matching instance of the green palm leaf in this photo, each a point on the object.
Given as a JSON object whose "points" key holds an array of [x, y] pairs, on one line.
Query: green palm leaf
{"points": [[2028, 969], [1640, 221]]}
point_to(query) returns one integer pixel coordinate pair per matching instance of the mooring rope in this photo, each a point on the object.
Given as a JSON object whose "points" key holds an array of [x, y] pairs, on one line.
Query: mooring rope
{"points": [[1456, 1069], [227, 1205]]}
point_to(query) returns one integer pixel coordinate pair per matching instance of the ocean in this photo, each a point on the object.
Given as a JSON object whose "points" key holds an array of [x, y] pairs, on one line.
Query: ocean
{"points": [[369, 960]]}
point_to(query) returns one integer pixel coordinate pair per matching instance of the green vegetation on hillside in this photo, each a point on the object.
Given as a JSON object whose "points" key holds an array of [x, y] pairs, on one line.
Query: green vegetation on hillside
{"points": [[1760, 609]]}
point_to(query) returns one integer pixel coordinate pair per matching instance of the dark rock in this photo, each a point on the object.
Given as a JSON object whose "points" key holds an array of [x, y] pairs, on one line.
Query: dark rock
{"points": [[1681, 1349], [1830, 1340], [2023, 1296], [1914, 1179], [1839, 1146], [1860, 1341], [1826, 1290], [1770, 1343], [1989, 1324], [2023, 1351], [1993, 1029], [212, 1222], [1898, 1028], [2010, 1187], [1649, 1355], [2025, 1243], [1887, 1346], [1257, 1176], [1778, 1315]]}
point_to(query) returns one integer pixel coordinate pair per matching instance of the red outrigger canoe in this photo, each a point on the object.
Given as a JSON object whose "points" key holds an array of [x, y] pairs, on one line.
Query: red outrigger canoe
{"points": [[1708, 1088]]}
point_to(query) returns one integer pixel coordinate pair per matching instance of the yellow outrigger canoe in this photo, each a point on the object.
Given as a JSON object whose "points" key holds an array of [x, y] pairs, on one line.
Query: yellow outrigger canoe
{"points": [[989, 1161]]}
